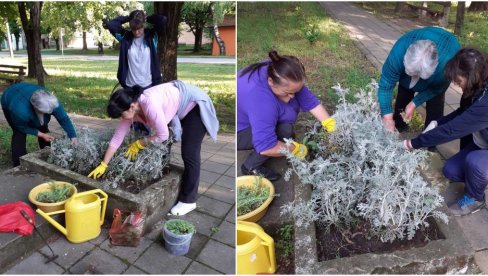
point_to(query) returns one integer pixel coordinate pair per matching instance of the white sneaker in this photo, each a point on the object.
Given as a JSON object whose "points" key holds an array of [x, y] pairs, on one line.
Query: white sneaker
{"points": [[181, 209]]}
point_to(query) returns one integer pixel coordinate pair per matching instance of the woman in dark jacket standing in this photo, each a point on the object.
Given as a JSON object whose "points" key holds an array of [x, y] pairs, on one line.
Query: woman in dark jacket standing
{"points": [[138, 59], [469, 70]]}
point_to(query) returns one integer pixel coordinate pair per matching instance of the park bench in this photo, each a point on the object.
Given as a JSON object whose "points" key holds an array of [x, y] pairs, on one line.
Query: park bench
{"points": [[441, 16], [12, 73]]}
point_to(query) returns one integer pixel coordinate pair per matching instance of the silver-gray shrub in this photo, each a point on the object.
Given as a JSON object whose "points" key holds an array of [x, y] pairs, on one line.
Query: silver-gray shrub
{"points": [[92, 144], [362, 173]]}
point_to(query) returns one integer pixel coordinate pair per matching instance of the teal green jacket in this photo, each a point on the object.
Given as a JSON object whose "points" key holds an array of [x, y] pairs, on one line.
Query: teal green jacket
{"points": [[16, 100], [393, 70]]}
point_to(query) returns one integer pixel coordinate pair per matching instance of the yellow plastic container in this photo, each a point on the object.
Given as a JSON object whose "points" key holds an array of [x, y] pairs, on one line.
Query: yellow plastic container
{"points": [[49, 207], [258, 213], [84, 214], [255, 250]]}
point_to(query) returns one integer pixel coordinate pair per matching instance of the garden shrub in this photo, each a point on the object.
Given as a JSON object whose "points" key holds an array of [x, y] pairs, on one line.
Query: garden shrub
{"points": [[92, 144], [362, 173]]}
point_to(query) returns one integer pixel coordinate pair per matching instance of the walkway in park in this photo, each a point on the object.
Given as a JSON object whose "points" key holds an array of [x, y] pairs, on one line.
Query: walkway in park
{"points": [[375, 38], [211, 252]]}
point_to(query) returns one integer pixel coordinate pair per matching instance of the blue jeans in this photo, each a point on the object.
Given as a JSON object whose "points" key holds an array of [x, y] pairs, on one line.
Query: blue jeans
{"points": [[470, 166]]}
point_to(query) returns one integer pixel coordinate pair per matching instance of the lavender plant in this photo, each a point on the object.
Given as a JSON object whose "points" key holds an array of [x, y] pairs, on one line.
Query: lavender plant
{"points": [[361, 172], [86, 156]]}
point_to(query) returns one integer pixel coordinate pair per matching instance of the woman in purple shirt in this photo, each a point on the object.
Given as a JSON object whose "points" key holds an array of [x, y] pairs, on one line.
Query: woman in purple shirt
{"points": [[269, 96]]}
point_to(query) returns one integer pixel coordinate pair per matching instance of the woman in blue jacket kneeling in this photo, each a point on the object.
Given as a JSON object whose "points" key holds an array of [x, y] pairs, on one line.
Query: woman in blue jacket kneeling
{"points": [[28, 109], [469, 70]]}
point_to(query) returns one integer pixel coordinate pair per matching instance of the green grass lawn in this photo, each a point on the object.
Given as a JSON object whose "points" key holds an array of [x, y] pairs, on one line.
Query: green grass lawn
{"points": [[332, 59], [83, 86], [474, 32]]}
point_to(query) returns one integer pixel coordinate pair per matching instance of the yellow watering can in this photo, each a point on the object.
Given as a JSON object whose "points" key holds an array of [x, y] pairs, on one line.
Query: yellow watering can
{"points": [[255, 249], [84, 213]]}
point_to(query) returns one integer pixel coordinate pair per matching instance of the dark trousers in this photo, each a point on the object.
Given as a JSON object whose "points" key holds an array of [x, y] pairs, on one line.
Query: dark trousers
{"points": [[18, 142], [244, 142], [191, 143], [464, 104], [434, 108], [470, 166]]}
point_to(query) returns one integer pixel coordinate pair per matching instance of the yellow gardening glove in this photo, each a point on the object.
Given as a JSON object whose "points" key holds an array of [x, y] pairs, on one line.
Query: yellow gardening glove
{"points": [[133, 150], [300, 150], [98, 171], [329, 124]]}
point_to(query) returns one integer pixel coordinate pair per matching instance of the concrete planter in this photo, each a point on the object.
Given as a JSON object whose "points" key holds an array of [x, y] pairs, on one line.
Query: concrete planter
{"points": [[154, 201], [451, 255]]}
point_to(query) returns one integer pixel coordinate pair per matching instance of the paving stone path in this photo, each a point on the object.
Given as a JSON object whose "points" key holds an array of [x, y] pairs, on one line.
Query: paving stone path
{"points": [[375, 38], [211, 252]]}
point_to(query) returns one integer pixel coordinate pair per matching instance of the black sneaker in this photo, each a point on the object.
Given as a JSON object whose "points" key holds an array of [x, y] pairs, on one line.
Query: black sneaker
{"points": [[262, 171]]}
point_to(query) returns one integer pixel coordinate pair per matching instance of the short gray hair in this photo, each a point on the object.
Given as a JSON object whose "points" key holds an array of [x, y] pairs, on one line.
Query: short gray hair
{"points": [[421, 59], [44, 101]]}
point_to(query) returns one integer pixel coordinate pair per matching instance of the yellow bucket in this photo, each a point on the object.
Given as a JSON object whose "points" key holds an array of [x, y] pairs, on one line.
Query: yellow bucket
{"points": [[258, 213], [84, 215], [255, 250]]}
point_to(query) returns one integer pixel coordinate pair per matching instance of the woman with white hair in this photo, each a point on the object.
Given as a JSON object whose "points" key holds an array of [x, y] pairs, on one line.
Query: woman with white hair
{"points": [[28, 109], [416, 62]]}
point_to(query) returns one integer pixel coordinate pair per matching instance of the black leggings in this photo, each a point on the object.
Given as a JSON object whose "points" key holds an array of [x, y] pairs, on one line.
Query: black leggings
{"points": [[18, 142], [191, 143], [434, 107]]}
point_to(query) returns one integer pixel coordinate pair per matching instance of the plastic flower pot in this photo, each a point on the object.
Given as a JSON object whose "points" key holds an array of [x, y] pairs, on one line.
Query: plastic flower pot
{"points": [[176, 244], [49, 207], [259, 212]]}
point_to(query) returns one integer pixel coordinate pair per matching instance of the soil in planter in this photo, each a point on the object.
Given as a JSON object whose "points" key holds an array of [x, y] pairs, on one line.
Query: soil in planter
{"points": [[333, 245], [135, 187]]}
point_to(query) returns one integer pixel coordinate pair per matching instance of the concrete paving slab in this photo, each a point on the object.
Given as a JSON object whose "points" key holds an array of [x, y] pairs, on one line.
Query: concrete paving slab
{"points": [[219, 256], [222, 159], [481, 258], [226, 181], [215, 167], [198, 241], [100, 261], [231, 172], [221, 193], [156, 260], [475, 227], [202, 222], [35, 264], [197, 268], [212, 206], [127, 253], [209, 177], [226, 234], [203, 187], [231, 216], [133, 270], [101, 238], [69, 253]]}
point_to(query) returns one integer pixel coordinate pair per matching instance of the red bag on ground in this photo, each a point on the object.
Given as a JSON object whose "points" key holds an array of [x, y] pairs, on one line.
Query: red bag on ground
{"points": [[11, 220], [127, 228]]}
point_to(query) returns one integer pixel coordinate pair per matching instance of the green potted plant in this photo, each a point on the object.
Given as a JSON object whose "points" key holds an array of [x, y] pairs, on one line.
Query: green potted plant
{"points": [[254, 194], [177, 234], [51, 196]]}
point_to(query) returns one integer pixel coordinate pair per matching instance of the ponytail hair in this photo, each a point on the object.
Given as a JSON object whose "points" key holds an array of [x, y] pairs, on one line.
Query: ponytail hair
{"points": [[121, 100], [279, 68]]}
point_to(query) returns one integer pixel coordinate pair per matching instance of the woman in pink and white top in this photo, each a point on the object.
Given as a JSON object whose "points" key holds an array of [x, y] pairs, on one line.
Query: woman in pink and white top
{"points": [[191, 113]]}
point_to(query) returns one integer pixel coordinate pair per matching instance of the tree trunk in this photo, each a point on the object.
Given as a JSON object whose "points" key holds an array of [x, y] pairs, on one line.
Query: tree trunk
{"points": [[85, 45], [32, 32], [459, 17], [100, 48], [423, 13], [168, 40], [216, 33], [445, 16], [58, 48], [198, 40], [478, 6], [17, 39], [399, 7]]}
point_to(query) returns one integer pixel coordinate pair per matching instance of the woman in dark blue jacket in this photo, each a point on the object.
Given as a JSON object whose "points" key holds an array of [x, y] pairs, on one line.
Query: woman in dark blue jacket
{"points": [[138, 59], [28, 109], [469, 70]]}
